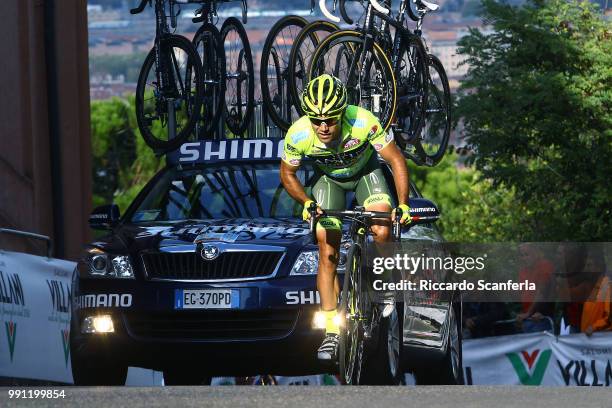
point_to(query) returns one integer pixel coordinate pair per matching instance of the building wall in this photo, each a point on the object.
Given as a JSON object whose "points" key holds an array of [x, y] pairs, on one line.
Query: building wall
{"points": [[26, 182]]}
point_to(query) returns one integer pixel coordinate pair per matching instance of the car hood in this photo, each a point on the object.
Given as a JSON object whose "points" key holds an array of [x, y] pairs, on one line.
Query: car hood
{"points": [[253, 231]]}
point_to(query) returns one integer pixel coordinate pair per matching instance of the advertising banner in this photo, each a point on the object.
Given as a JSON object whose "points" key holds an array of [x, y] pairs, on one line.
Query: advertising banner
{"points": [[35, 317], [539, 359]]}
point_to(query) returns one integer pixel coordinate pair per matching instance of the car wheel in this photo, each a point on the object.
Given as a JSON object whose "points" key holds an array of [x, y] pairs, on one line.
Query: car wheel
{"points": [[449, 371], [90, 370], [383, 364], [181, 376]]}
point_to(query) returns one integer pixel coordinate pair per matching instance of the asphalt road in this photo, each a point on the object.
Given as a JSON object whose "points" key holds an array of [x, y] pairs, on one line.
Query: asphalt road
{"points": [[325, 396]]}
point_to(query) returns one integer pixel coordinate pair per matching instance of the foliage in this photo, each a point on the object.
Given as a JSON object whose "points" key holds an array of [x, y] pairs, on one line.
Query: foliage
{"points": [[472, 209], [536, 109], [122, 162]]}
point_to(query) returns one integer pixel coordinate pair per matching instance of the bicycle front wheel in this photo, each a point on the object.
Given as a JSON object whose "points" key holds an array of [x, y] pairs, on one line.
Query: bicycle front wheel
{"points": [[367, 73], [351, 346], [239, 78], [169, 96]]}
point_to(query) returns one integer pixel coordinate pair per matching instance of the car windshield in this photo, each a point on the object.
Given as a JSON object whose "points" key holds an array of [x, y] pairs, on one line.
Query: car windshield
{"points": [[214, 192]]}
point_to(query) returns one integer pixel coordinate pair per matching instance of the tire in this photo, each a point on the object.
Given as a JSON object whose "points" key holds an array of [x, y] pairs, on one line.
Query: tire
{"points": [[383, 363], [152, 112], [448, 371], [177, 376], [411, 77], [277, 100], [239, 78], [435, 132], [375, 92], [299, 60], [208, 44], [351, 335], [92, 369]]}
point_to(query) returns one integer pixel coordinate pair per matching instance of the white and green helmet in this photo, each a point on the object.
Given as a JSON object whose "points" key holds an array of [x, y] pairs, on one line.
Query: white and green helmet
{"points": [[324, 97]]}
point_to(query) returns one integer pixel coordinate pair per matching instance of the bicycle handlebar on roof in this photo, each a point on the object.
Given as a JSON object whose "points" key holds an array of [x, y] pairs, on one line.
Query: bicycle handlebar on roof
{"points": [[140, 8]]}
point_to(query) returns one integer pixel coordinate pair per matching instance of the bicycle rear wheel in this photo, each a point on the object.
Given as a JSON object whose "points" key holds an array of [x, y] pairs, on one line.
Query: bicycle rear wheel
{"points": [[207, 42], [301, 53], [166, 115], [368, 75], [275, 91], [351, 332], [436, 129], [412, 89], [239, 78]]}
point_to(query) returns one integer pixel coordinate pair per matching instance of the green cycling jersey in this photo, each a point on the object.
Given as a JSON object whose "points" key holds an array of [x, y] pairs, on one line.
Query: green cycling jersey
{"points": [[360, 136]]}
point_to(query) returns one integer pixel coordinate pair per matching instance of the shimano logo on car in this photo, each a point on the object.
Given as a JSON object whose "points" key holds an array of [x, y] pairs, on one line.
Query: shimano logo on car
{"points": [[206, 151], [104, 300], [422, 209]]}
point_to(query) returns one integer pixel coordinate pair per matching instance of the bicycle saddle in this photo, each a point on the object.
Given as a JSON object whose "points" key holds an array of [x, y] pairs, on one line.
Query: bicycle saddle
{"points": [[427, 4]]}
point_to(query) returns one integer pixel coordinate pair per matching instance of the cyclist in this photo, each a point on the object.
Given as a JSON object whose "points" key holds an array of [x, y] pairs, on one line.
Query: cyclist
{"points": [[342, 140]]}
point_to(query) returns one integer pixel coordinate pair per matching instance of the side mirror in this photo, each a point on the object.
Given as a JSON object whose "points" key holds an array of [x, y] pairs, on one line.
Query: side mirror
{"points": [[104, 217], [423, 211]]}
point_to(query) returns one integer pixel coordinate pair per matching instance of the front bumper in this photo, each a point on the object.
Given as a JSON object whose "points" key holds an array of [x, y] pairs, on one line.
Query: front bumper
{"points": [[271, 330]]}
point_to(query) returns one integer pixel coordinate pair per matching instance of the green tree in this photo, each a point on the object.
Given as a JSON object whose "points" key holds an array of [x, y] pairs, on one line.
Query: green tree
{"points": [[536, 109], [122, 162], [472, 209], [113, 146]]}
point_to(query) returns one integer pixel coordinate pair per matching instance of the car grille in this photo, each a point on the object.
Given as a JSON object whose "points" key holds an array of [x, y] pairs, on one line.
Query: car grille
{"points": [[229, 265], [212, 325]]}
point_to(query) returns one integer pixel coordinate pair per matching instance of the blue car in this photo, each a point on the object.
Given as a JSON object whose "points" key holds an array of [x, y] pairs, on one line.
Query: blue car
{"points": [[212, 272]]}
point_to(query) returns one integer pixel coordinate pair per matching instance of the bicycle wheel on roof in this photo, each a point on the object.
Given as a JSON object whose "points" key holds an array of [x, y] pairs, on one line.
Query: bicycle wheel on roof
{"points": [[367, 73], [169, 96]]}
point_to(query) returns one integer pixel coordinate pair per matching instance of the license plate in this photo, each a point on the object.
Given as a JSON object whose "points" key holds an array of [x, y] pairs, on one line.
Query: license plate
{"points": [[206, 299]]}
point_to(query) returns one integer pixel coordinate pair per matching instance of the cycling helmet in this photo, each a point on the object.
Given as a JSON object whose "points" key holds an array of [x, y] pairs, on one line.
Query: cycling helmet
{"points": [[324, 96]]}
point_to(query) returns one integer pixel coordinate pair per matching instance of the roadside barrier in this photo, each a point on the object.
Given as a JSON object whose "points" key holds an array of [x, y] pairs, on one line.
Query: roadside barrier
{"points": [[35, 298]]}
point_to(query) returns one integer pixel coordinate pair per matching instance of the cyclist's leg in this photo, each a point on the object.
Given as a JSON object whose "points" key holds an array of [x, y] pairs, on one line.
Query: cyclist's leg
{"points": [[373, 193], [329, 196]]}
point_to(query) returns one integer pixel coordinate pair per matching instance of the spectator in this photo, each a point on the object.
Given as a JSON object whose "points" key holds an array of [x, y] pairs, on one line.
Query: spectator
{"points": [[573, 282], [596, 314], [534, 317], [479, 319]]}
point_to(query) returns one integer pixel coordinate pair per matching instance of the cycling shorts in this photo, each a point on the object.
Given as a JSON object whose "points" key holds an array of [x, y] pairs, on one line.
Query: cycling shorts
{"points": [[369, 185]]}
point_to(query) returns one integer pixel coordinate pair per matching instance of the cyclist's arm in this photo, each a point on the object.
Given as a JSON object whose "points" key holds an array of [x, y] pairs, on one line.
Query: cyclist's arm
{"points": [[291, 182], [392, 155]]}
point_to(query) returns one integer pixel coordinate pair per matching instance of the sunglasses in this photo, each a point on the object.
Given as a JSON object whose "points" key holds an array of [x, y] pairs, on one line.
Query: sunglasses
{"points": [[328, 121]]}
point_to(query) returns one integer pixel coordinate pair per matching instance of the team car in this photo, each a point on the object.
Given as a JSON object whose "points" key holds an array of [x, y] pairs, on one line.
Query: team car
{"points": [[212, 272]]}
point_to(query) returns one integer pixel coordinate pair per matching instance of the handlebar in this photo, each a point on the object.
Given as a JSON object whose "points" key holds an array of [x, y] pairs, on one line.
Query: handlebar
{"points": [[141, 7], [343, 12], [379, 7], [327, 13], [422, 7], [358, 212]]}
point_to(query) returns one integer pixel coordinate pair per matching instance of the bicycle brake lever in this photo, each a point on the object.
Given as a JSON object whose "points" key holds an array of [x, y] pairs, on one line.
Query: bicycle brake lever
{"points": [[397, 226]]}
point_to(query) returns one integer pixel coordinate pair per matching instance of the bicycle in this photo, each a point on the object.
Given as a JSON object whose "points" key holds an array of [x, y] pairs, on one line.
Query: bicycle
{"points": [[399, 86], [302, 50], [168, 92], [361, 317], [274, 71], [207, 41], [240, 74]]}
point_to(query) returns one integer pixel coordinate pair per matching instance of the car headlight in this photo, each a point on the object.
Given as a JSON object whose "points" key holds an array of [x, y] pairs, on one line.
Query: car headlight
{"points": [[104, 265], [307, 263]]}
